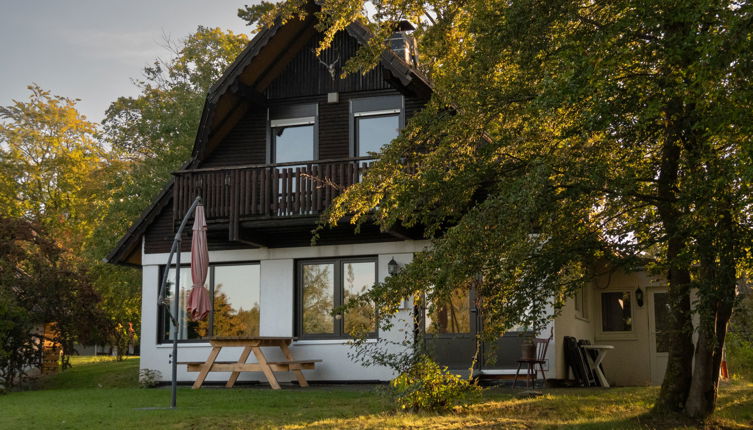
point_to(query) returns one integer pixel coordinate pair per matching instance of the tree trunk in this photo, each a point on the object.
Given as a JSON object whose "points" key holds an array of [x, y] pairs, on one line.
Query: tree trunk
{"points": [[677, 379], [718, 274]]}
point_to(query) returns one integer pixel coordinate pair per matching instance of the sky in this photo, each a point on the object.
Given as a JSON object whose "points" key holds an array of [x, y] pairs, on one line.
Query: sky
{"points": [[91, 49]]}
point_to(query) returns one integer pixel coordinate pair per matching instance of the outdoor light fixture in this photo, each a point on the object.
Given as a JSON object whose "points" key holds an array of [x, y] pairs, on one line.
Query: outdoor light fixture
{"points": [[639, 296], [393, 267]]}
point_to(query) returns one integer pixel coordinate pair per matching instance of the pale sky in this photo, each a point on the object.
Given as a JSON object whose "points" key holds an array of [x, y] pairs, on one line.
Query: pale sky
{"points": [[90, 49]]}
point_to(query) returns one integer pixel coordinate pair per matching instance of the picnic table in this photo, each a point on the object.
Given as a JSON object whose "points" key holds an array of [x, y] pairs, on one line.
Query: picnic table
{"points": [[249, 345], [594, 363]]}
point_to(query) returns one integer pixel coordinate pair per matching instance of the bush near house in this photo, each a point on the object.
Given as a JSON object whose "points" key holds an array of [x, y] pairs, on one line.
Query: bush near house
{"points": [[426, 386]]}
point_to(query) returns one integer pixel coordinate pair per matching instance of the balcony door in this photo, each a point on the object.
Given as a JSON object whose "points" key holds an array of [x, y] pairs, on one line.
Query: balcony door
{"points": [[449, 329], [450, 333], [292, 139]]}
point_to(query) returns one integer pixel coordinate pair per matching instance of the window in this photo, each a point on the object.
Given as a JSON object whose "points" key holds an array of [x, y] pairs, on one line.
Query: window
{"points": [[293, 140], [375, 122], [292, 133], [234, 292], [616, 312], [324, 285], [453, 316], [373, 131]]}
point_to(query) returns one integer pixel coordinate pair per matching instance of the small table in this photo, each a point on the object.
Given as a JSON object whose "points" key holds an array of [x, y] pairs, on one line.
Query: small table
{"points": [[255, 345], [601, 352]]}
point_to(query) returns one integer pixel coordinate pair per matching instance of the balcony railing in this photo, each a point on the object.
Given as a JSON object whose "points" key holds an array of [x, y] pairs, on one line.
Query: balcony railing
{"points": [[240, 193]]}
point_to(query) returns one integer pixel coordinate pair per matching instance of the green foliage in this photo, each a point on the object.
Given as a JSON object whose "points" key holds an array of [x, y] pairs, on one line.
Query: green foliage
{"points": [[57, 171], [564, 139], [256, 13], [428, 387], [41, 282], [152, 135], [52, 166], [739, 343], [740, 355], [17, 342]]}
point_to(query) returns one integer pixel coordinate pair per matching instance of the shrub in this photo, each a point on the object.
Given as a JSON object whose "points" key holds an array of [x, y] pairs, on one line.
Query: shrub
{"points": [[149, 378], [739, 342], [740, 355], [428, 386], [19, 343]]}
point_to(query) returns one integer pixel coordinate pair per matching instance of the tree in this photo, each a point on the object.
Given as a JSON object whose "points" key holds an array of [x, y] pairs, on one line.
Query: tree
{"points": [[152, 135], [562, 138], [54, 170], [51, 165], [40, 282], [254, 14]]}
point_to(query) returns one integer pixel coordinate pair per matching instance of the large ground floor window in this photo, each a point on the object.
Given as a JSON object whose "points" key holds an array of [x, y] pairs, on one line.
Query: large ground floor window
{"points": [[323, 286], [234, 292]]}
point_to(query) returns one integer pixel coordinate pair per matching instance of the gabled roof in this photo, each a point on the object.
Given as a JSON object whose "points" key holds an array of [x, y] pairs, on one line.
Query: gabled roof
{"points": [[243, 84]]}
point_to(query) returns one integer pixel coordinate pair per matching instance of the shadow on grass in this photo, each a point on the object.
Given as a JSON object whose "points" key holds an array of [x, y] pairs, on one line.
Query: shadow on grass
{"points": [[104, 394]]}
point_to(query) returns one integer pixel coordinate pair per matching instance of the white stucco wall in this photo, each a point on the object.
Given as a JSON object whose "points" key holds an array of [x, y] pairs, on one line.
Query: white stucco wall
{"points": [[277, 286], [629, 363]]}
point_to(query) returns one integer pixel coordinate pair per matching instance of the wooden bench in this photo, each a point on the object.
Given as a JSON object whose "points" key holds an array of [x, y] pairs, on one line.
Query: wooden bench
{"points": [[234, 366], [250, 345]]}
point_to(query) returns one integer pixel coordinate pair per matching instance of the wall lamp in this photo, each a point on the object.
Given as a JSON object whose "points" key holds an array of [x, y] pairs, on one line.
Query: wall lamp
{"points": [[393, 267], [639, 296]]}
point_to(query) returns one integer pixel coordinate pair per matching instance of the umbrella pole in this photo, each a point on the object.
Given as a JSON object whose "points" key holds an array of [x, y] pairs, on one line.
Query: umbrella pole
{"points": [[176, 298], [176, 325]]}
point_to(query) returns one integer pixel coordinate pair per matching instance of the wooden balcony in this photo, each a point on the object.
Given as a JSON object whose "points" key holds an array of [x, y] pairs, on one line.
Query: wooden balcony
{"points": [[236, 194]]}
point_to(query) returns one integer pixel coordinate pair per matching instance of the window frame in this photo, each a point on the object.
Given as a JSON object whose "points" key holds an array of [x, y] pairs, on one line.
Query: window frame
{"points": [[210, 318], [291, 116], [339, 296], [616, 333], [582, 313], [372, 107]]}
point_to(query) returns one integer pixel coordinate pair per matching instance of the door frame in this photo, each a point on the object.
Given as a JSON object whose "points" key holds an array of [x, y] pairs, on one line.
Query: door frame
{"points": [[653, 355], [469, 337]]}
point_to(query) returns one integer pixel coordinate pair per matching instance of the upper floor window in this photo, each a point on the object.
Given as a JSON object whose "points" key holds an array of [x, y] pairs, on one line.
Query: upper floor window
{"points": [[375, 121], [293, 132]]}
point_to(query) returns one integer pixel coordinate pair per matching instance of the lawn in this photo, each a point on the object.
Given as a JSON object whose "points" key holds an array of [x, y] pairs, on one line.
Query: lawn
{"points": [[105, 394]]}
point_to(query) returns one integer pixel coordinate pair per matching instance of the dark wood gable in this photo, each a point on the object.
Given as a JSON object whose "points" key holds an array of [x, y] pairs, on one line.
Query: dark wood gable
{"points": [[305, 75], [306, 80]]}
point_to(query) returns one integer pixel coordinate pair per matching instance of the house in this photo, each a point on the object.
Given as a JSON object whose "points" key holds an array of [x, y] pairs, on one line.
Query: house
{"points": [[276, 125]]}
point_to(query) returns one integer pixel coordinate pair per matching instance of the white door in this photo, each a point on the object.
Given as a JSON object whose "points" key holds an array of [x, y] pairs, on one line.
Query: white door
{"points": [[658, 323]]}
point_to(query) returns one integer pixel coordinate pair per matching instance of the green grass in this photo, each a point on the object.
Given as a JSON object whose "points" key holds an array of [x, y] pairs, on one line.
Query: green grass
{"points": [[105, 394]]}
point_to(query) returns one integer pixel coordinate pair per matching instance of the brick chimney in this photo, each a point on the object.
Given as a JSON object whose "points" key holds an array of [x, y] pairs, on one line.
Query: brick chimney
{"points": [[403, 43]]}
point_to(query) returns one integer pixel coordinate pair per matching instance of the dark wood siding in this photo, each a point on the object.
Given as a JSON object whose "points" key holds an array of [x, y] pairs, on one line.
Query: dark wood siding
{"points": [[305, 75], [333, 130], [158, 238], [305, 80], [245, 144], [413, 105]]}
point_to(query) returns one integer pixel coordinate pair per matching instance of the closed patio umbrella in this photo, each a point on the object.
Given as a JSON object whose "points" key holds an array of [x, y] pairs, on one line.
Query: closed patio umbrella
{"points": [[198, 300]]}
